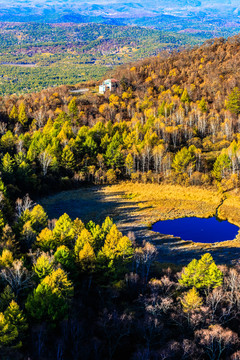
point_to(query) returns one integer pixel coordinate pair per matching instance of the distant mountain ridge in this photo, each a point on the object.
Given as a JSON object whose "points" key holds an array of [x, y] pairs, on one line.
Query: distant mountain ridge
{"points": [[217, 18]]}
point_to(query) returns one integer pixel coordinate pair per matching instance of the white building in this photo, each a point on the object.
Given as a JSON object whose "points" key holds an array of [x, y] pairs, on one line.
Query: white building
{"points": [[109, 84]]}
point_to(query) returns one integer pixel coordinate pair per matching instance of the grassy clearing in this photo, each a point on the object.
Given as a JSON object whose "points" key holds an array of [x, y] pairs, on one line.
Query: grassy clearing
{"points": [[151, 202], [159, 202]]}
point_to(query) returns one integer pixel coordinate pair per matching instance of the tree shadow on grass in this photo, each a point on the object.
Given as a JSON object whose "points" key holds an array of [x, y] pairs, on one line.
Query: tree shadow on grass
{"points": [[95, 204]]}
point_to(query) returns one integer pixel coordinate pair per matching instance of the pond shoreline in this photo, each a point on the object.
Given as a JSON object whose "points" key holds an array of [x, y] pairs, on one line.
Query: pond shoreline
{"points": [[198, 230], [135, 207]]}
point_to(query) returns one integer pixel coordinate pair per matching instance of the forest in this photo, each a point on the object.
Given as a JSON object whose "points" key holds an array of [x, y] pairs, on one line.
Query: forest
{"points": [[167, 122], [83, 290], [34, 56]]}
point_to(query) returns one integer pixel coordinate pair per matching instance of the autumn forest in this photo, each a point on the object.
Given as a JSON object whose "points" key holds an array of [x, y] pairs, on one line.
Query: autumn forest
{"points": [[76, 289]]}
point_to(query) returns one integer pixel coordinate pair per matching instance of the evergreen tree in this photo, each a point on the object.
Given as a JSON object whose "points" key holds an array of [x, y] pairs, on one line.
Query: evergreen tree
{"points": [[22, 116], [8, 332], [63, 231], [6, 258], [221, 167], [86, 257], [15, 316], [72, 107], [38, 218], [68, 161], [233, 102], [129, 164], [84, 237], [191, 301], [46, 240], [43, 266], [63, 256], [49, 301], [182, 160], [7, 165], [202, 273], [203, 105], [185, 97], [6, 296], [13, 114]]}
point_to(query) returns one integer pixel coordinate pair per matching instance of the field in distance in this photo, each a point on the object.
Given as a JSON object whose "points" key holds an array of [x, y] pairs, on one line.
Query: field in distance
{"points": [[34, 56]]}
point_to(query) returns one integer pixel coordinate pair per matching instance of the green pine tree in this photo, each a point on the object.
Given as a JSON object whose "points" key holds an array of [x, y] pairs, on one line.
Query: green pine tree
{"points": [[68, 160], [233, 102], [72, 107], [185, 97], [15, 316], [203, 273], [203, 105], [22, 116], [14, 113]]}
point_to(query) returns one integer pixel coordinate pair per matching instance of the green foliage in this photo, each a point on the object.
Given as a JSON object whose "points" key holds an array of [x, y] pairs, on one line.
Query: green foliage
{"points": [[185, 97], [182, 160], [6, 296], [72, 107], [8, 141], [43, 266], [87, 258], [221, 166], [233, 102], [114, 156], [203, 105], [61, 65], [38, 218], [49, 300], [6, 258], [14, 315], [22, 116], [107, 225], [191, 301], [46, 240], [63, 231], [2, 222], [84, 237], [64, 257], [7, 165], [8, 332], [116, 247], [203, 273], [14, 113], [68, 161]]}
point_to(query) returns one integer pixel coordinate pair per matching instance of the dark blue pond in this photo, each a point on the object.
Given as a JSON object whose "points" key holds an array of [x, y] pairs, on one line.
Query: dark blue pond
{"points": [[209, 230]]}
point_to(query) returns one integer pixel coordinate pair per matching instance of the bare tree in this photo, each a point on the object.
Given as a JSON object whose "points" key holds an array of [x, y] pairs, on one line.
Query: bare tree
{"points": [[215, 340], [23, 204], [214, 300], [3, 128], [18, 277], [144, 256], [45, 160]]}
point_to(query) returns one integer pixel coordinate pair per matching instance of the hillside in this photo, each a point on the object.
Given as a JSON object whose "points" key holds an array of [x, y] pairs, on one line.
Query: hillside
{"points": [[167, 143], [173, 118]]}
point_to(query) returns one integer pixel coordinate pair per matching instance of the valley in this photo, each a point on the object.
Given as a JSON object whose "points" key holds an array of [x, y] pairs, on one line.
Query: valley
{"points": [[37, 56]]}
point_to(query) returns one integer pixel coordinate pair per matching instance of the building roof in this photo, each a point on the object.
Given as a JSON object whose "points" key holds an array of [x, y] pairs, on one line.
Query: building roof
{"points": [[111, 80]]}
